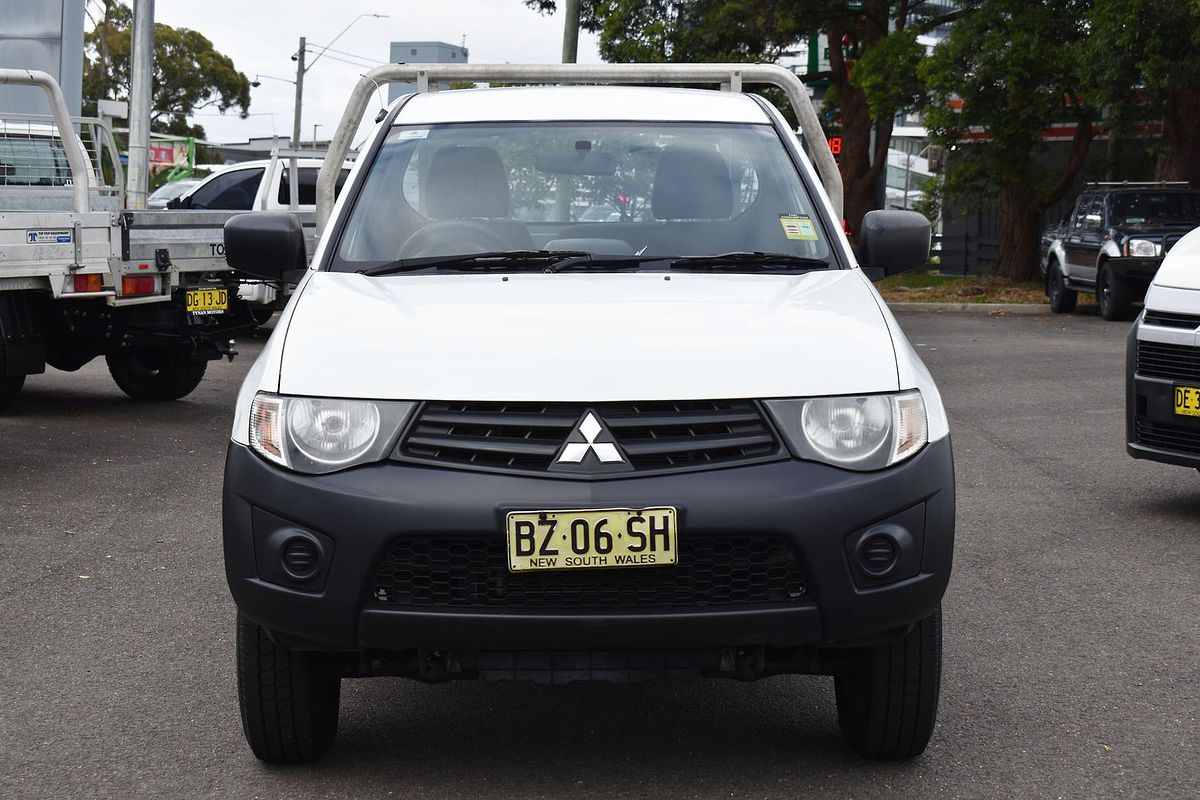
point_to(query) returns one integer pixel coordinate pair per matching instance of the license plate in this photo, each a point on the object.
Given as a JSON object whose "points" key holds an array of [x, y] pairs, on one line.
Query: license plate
{"points": [[591, 538], [207, 301], [1187, 400]]}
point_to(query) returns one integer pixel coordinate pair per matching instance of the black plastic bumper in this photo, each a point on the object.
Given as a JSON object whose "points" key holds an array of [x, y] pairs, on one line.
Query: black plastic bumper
{"points": [[355, 515], [1152, 400], [1136, 272]]}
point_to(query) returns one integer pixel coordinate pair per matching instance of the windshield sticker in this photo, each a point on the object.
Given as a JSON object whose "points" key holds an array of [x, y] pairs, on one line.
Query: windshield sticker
{"points": [[413, 134], [798, 227]]}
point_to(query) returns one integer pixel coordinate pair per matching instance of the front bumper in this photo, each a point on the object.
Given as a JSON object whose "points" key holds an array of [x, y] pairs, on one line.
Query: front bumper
{"points": [[1153, 431], [357, 514], [1136, 272]]}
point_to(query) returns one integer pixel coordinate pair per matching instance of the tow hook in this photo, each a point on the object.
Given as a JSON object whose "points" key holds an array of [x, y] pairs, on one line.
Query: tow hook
{"points": [[230, 350]]}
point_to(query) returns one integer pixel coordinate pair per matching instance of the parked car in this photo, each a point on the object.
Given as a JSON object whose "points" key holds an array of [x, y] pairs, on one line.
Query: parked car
{"points": [[1163, 363], [256, 186], [1112, 243], [159, 198], [482, 447]]}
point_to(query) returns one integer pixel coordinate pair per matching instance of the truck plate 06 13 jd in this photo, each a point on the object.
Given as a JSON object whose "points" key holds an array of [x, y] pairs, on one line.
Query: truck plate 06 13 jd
{"points": [[646, 420]]}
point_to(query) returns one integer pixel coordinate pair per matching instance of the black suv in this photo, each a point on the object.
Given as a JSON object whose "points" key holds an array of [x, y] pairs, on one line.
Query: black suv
{"points": [[1112, 243]]}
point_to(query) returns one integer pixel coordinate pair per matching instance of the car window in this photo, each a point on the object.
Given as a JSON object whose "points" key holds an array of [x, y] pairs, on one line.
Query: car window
{"points": [[231, 191], [679, 189], [308, 185], [1162, 208]]}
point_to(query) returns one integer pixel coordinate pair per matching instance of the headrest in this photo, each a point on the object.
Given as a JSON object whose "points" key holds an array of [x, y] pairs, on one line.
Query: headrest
{"points": [[466, 183], [691, 184]]}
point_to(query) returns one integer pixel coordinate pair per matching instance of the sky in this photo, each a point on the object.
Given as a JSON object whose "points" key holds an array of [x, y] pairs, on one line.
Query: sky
{"points": [[261, 36]]}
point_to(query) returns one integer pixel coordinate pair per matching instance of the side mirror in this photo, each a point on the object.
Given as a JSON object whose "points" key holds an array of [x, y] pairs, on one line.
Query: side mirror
{"points": [[891, 242], [180, 202], [265, 244]]}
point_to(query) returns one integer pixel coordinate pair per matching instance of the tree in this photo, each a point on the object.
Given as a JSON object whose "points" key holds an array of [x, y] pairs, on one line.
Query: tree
{"points": [[1146, 66], [873, 63], [189, 73], [1005, 73]]}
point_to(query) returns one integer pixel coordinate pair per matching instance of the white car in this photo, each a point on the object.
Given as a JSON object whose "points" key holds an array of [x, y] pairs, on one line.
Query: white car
{"points": [[482, 446], [1163, 363], [159, 198], [261, 185]]}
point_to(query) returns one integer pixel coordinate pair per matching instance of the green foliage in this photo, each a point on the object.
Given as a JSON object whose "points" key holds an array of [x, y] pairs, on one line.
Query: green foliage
{"points": [[888, 74], [189, 73], [1013, 64], [1142, 49]]}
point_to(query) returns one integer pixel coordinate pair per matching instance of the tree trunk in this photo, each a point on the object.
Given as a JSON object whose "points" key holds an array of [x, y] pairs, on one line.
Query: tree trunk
{"points": [[1020, 232], [1180, 159]]}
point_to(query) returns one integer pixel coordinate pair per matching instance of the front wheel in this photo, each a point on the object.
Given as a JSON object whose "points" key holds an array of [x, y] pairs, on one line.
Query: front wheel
{"points": [[156, 374], [289, 700], [887, 698], [1062, 299], [1114, 296]]}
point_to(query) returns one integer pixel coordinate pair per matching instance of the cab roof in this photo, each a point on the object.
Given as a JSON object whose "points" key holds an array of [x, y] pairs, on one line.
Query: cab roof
{"points": [[581, 103]]}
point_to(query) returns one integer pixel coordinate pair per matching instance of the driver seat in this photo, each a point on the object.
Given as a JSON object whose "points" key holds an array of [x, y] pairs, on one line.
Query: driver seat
{"points": [[471, 183]]}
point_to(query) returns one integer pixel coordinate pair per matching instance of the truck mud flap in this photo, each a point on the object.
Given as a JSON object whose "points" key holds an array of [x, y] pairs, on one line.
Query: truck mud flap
{"points": [[24, 347]]}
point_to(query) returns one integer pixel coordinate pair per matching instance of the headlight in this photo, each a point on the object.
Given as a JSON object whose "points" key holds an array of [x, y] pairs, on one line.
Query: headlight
{"points": [[860, 433], [1141, 248], [317, 435]]}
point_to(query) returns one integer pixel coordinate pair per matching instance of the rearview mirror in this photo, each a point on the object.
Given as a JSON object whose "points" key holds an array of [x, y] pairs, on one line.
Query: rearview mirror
{"points": [[577, 162], [265, 244], [891, 242]]}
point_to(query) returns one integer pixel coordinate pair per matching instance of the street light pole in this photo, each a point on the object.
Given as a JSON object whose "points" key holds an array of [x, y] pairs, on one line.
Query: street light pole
{"points": [[301, 69], [299, 95], [141, 75], [570, 51]]}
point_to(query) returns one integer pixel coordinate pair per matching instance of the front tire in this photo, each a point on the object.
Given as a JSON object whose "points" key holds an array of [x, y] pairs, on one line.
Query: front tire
{"points": [[288, 699], [158, 375], [887, 699], [1062, 299], [1113, 295]]}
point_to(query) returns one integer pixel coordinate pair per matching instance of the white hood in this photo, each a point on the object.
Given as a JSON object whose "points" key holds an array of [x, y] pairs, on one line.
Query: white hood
{"points": [[586, 337], [1181, 268]]}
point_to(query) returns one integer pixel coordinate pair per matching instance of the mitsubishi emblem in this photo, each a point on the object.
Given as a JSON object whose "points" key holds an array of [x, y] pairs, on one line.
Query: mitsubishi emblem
{"points": [[590, 429]]}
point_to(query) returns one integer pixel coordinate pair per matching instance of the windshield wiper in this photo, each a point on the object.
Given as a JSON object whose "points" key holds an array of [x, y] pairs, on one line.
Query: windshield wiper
{"points": [[496, 259], [750, 260], [589, 261]]}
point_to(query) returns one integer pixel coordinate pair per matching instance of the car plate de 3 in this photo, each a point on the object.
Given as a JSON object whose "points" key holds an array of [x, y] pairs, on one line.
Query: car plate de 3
{"points": [[591, 538], [1187, 400]]}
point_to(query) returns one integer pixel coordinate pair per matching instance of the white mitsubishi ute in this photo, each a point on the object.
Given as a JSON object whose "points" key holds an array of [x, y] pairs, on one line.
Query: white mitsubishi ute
{"points": [[497, 436], [1163, 363]]}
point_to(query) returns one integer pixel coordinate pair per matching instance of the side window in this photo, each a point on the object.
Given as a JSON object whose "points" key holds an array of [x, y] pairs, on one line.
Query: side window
{"points": [[1081, 211], [233, 191], [308, 186], [1095, 214]]}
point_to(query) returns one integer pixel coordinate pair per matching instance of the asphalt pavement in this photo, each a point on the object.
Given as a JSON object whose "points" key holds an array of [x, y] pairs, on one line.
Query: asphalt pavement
{"points": [[1072, 623]]}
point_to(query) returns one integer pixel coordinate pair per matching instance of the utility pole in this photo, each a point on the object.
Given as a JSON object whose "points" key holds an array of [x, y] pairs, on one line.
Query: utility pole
{"points": [[570, 52], [141, 74], [299, 94]]}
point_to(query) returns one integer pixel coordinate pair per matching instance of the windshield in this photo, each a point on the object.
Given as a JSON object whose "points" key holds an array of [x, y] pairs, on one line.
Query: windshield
{"points": [[170, 191], [1162, 208], [609, 189]]}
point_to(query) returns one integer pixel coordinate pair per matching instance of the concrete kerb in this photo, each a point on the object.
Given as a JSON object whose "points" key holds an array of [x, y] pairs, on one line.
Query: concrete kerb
{"points": [[995, 309]]}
